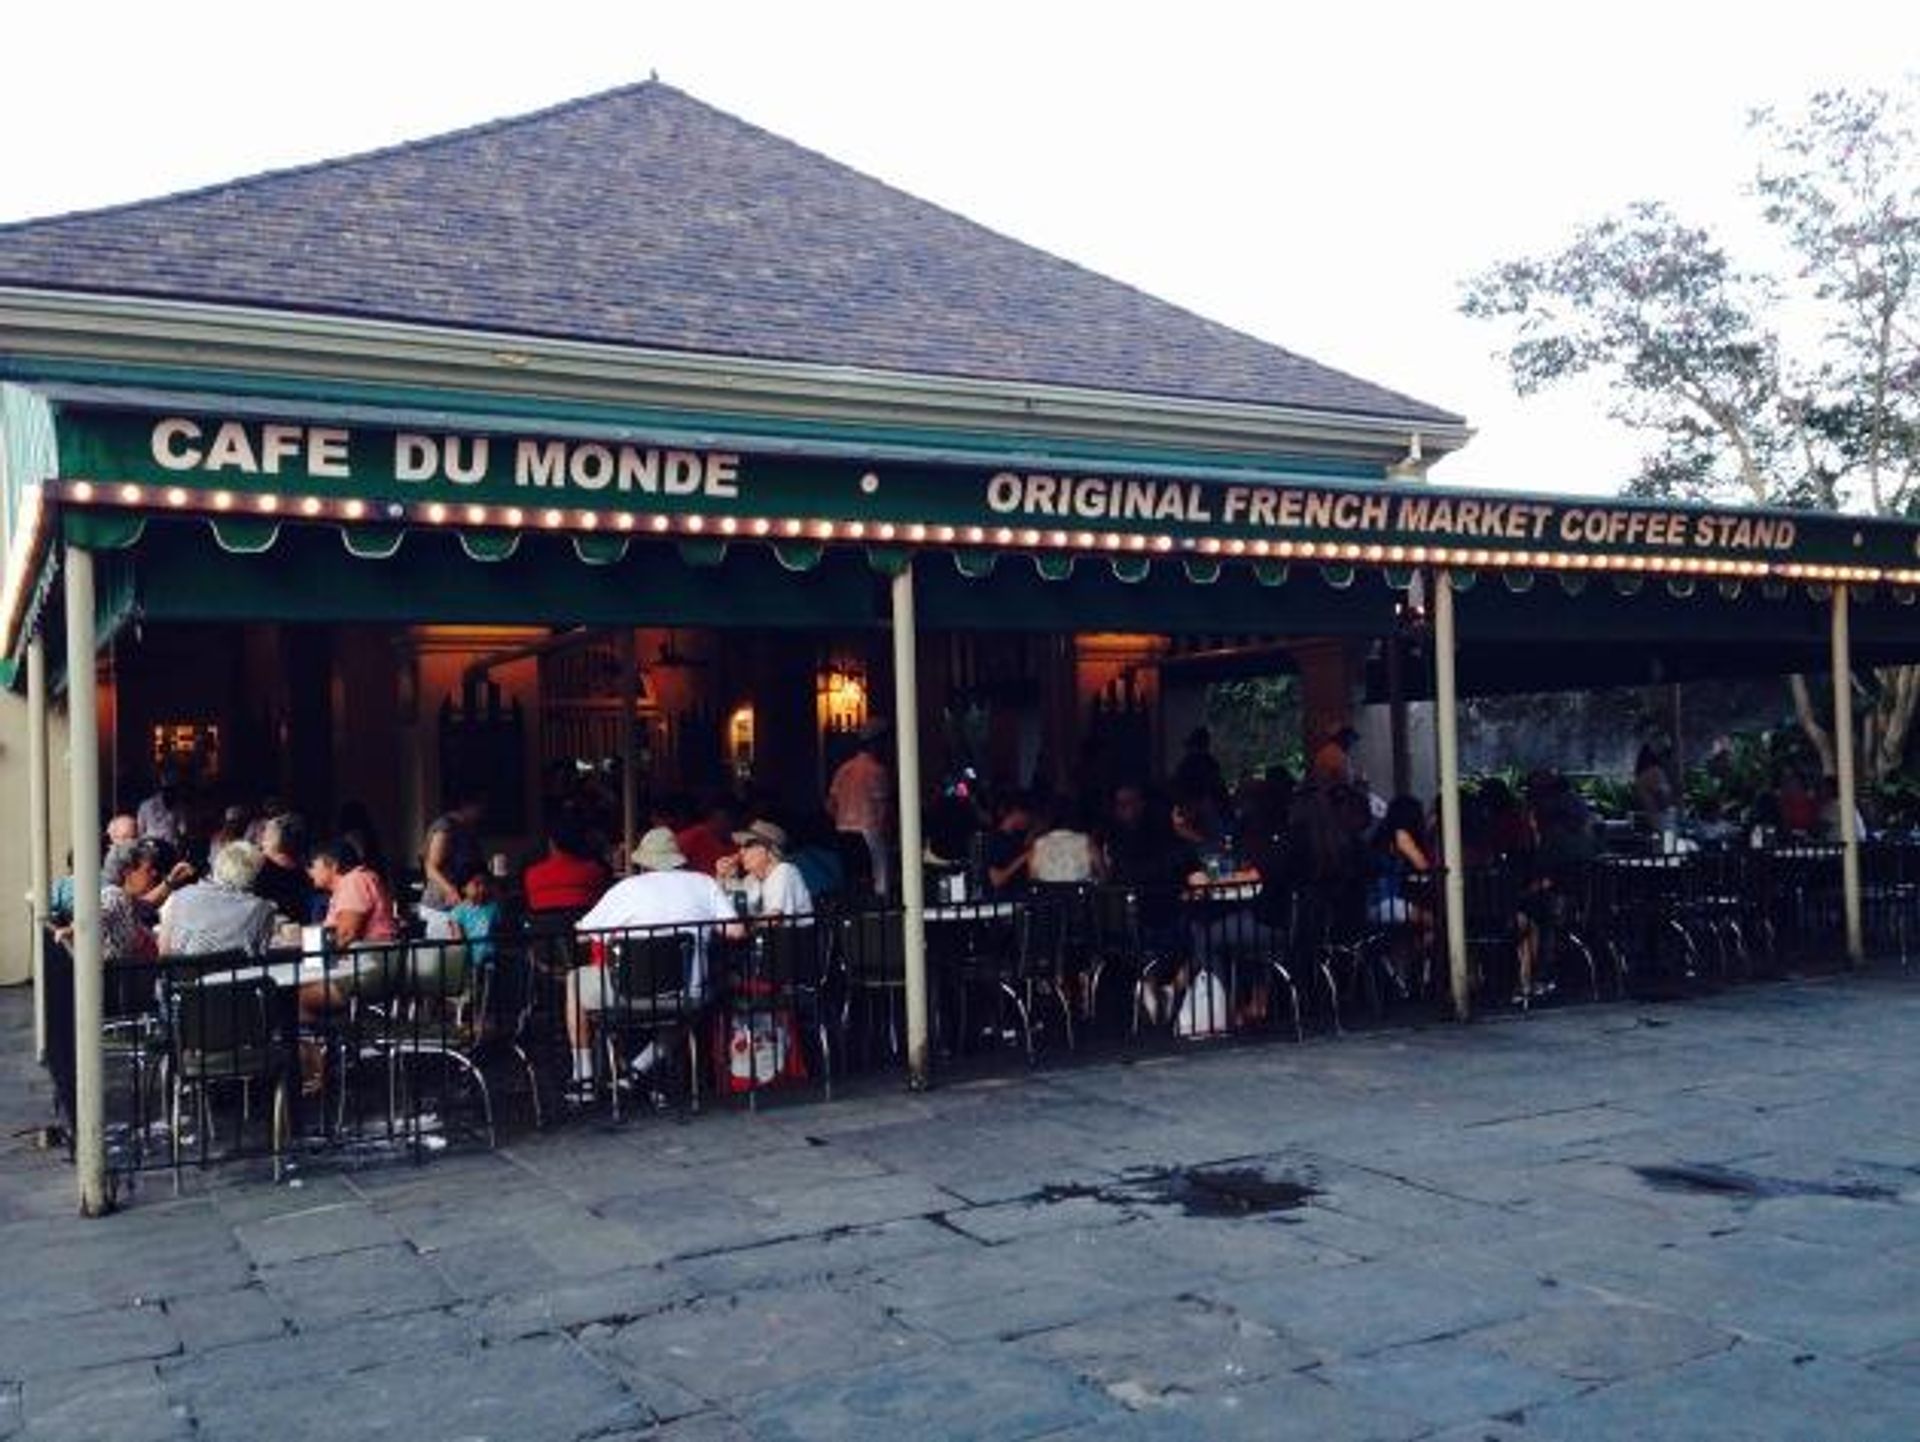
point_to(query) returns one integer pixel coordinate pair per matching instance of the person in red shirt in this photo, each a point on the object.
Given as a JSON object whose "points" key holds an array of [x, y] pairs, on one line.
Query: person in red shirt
{"points": [[569, 877], [711, 837]]}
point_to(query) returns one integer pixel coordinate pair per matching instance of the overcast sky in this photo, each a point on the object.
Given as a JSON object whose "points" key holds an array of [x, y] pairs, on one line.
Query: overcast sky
{"points": [[1324, 180]]}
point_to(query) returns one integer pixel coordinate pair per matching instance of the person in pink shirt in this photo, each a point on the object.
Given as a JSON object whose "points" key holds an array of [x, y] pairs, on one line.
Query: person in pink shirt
{"points": [[358, 905], [359, 912]]}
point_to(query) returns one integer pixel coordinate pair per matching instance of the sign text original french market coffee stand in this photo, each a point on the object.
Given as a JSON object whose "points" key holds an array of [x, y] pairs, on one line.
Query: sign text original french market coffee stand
{"points": [[486, 480]]}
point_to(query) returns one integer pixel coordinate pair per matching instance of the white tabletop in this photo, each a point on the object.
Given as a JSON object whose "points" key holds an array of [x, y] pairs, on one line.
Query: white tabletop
{"points": [[973, 911], [341, 966]]}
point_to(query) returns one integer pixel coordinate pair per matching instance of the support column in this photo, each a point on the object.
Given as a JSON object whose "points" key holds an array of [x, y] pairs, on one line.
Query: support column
{"points": [[83, 729], [1397, 718], [39, 868], [1446, 728], [629, 654], [906, 728], [1845, 781]]}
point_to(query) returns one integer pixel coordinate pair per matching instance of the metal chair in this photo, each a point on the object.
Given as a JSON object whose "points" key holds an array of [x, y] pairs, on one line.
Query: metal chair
{"points": [[646, 996], [225, 1033]]}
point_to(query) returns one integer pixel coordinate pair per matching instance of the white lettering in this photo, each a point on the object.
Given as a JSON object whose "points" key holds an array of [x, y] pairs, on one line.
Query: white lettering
{"points": [[539, 463], [591, 467], [166, 435], [327, 453], [723, 475], [471, 470], [682, 476], [277, 444], [232, 450], [415, 457]]}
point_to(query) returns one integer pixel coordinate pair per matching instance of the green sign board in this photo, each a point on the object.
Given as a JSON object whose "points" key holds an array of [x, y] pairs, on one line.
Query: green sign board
{"points": [[484, 479]]}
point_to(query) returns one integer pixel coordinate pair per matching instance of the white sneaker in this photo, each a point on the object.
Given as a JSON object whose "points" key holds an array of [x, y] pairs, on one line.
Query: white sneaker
{"points": [[645, 1060]]}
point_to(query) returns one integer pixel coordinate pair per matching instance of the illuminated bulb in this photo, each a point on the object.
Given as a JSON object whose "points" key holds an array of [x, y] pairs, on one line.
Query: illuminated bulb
{"points": [[83, 491], [886, 531], [624, 521], [1350, 551], [728, 525], [1029, 537], [130, 495], [1260, 548], [1163, 543], [436, 513], [856, 529], [476, 515], [515, 516], [1237, 546], [660, 523], [1374, 553], [1396, 554], [176, 496], [1285, 548], [355, 509], [268, 503], [1003, 535], [1136, 543], [311, 506], [823, 529], [1056, 538], [792, 527], [916, 533], [1083, 539], [590, 520], [944, 533], [761, 526], [976, 534], [695, 523], [549, 518]]}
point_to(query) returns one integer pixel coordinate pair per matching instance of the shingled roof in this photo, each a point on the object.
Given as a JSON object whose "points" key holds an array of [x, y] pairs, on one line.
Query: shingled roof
{"points": [[643, 217]]}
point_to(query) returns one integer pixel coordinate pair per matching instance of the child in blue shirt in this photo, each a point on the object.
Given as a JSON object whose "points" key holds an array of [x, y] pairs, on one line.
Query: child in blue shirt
{"points": [[476, 915]]}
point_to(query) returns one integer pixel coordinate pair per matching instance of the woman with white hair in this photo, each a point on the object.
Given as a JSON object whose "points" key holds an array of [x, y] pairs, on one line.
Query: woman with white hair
{"points": [[220, 913]]}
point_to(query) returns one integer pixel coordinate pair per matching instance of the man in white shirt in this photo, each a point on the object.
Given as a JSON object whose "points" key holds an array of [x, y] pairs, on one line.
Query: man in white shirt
{"points": [[661, 894], [860, 800], [773, 884]]}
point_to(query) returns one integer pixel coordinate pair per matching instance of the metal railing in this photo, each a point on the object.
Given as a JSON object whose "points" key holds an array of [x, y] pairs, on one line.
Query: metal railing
{"points": [[413, 1045]]}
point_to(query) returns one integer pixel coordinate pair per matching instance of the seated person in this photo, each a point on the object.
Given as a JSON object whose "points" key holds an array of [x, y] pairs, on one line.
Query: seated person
{"points": [[359, 912], [282, 879], [220, 913], [1008, 852], [664, 893], [569, 877], [1062, 853], [476, 915], [773, 884]]}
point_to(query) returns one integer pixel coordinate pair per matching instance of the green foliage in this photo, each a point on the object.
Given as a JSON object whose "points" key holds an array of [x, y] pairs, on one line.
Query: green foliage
{"points": [[1255, 722]]}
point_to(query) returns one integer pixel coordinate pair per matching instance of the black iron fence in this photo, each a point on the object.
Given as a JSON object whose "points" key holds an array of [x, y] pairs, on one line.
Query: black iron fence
{"points": [[418, 1044]]}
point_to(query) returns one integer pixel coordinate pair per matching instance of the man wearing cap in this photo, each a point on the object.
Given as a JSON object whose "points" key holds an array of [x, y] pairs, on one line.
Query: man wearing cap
{"points": [[773, 884], [860, 799], [662, 893]]}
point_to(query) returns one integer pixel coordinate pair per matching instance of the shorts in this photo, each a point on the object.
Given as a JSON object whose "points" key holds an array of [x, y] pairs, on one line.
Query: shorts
{"points": [[1390, 911]]}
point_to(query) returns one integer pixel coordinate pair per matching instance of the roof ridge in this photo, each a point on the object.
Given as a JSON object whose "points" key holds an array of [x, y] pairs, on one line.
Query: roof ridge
{"points": [[378, 152]]}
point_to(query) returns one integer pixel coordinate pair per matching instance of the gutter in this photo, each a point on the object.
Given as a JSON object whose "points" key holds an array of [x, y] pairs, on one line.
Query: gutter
{"points": [[134, 331]]}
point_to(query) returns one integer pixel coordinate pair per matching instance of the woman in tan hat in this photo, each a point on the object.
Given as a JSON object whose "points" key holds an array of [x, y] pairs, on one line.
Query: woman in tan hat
{"points": [[773, 884]]}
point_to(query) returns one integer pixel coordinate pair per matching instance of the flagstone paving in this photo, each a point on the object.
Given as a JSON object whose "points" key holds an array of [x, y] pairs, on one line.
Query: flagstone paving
{"points": [[1688, 1220]]}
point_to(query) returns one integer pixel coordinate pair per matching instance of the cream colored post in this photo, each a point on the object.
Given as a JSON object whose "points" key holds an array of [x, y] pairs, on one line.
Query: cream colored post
{"points": [[1446, 726], [39, 867], [1845, 780], [629, 782], [906, 726], [83, 742]]}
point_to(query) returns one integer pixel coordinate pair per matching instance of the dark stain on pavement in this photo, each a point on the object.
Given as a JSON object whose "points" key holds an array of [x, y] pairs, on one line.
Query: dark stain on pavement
{"points": [[1726, 1182]]}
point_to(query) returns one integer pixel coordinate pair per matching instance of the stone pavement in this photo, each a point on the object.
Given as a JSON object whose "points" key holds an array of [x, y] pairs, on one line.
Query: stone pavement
{"points": [[1482, 1258]]}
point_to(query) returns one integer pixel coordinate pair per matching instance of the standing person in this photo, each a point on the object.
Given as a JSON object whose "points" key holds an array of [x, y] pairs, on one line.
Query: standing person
{"points": [[662, 892], [162, 817], [773, 884], [1653, 798], [220, 913], [860, 800], [452, 847]]}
